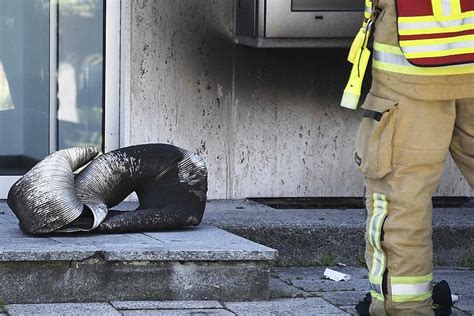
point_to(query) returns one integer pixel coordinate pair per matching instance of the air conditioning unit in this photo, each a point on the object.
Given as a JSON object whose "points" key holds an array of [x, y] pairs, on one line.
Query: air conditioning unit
{"points": [[297, 23]]}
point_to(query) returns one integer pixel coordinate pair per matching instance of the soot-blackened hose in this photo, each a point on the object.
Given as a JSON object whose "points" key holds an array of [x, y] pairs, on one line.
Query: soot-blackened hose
{"points": [[171, 185]]}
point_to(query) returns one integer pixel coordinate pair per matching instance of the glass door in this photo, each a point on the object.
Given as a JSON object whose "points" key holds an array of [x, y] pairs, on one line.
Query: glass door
{"points": [[52, 80]]}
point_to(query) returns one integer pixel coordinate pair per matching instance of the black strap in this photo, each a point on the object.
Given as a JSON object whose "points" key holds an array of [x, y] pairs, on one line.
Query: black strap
{"points": [[373, 115]]}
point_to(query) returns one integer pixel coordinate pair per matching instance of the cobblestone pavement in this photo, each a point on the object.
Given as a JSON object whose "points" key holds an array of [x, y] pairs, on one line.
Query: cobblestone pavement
{"points": [[294, 291]]}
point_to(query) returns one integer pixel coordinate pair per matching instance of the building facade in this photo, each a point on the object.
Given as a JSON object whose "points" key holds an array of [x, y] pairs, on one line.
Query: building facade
{"points": [[267, 121]]}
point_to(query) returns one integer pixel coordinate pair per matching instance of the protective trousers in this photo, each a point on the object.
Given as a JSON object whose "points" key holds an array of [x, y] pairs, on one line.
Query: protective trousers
{"points": [[401, 147]]}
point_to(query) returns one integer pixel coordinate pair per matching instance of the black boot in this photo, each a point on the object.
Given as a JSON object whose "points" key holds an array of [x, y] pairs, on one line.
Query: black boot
{"points": [[363, 306], [442, 299]]}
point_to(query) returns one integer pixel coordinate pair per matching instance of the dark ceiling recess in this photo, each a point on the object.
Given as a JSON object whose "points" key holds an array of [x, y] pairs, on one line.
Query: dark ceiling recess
{"points": [[350, 202], [326, 5], [297, 23]]}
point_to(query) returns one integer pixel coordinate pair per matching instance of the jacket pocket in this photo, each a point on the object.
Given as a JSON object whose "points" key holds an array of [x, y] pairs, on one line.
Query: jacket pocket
{"points": [[373, 149]]}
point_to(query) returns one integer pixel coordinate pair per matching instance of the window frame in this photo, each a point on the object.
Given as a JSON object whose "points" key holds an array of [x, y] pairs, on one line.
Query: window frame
{"points": [[113, 78]]}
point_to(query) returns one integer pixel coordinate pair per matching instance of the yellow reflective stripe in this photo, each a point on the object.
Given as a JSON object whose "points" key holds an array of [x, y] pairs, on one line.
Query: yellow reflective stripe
{"points": [[411, 279], [368, 12], [388, 48], [424, 71], [411, 298], [375, 279], [456, 10], [377, 296], [442, 53], [390, 58], [437, 41], [430, 18], [422, 31], [438, 8], [375, 230], [368, 9]]}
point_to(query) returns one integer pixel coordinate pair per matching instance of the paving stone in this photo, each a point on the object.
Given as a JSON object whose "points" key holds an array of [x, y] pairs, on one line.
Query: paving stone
{"points": [[296, 306], [350, 309], [342, 298], [137, 305], [312, 280], [349, 293], [279, 289], [457, 312], [174, 312], [62, 309], [461, 282]]}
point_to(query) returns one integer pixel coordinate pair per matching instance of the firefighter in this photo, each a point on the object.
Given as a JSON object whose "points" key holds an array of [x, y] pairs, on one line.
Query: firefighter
{"points": [[420, 107]]}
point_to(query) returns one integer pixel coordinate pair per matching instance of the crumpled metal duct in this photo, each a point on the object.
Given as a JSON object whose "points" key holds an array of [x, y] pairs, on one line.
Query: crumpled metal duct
{"points": [[170, 182]]}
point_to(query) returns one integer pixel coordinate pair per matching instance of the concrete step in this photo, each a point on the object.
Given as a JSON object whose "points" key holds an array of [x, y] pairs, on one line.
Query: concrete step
{"points": [[306, 237], [300, 291], [202, 263]]}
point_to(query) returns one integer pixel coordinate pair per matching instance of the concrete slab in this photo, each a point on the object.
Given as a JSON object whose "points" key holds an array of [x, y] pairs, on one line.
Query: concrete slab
{"points": [[102, 281], [174, 312], [188, 244], [62, 309], [143, 305], [311, 236], [297, 306], [199, 263]]}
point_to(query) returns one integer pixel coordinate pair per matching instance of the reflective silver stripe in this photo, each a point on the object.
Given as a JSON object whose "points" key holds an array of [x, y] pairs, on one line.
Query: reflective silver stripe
{"points": [[375, 227], [376, 287], [437, 48], [368, 9], [391, 58], [375, 236], [411, 289], [434, 24], [400, 60], [446, 8]]}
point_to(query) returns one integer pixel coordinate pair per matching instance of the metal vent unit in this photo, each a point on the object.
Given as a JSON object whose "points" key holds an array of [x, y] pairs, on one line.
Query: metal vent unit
{"points": [[297, 23]]}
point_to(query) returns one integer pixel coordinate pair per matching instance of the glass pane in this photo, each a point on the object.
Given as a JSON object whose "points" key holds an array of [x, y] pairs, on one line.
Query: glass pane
{"points": [[80, 72], [24, 84]]}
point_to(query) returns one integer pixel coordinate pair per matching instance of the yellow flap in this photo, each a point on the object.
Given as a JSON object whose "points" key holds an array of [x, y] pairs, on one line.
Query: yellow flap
{"points": [[378, 104]]}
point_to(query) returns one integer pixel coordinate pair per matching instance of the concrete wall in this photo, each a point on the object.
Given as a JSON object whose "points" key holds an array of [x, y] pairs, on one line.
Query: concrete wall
{"points": [[266, 120]]}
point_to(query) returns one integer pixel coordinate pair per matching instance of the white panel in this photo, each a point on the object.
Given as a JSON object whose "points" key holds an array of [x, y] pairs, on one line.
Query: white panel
{"points": [[112, 75]]}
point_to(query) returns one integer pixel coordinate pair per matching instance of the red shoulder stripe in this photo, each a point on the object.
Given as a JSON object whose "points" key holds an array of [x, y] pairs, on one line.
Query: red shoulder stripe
{"points": [[438, 35], [408, 8], [436, 61]]}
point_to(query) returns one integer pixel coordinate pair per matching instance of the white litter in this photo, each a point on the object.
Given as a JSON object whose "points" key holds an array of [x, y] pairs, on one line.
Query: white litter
{"points": [[336, 275], [455, 298]]}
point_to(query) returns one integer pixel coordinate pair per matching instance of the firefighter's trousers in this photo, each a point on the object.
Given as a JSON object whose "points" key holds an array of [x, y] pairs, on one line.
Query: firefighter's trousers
{"points": [[401, 148]]}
